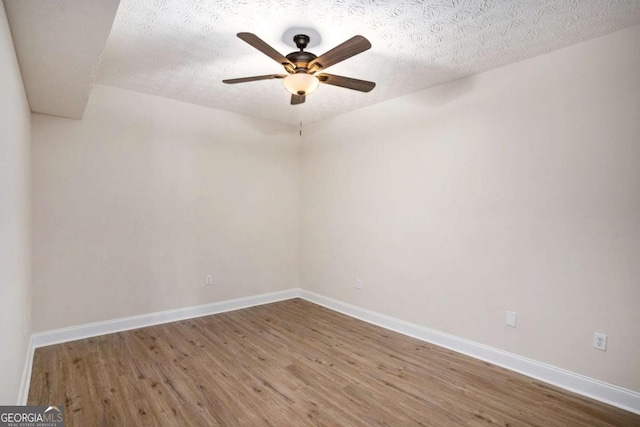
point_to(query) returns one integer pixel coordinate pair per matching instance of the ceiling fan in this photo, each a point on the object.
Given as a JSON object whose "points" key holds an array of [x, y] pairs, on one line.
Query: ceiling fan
{"points": [[305, 69]]}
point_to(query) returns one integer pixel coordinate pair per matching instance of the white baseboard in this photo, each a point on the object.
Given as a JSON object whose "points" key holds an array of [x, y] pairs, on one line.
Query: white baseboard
{"points": [[89, 330], [23, 393], [58, 336], [613, 395]]}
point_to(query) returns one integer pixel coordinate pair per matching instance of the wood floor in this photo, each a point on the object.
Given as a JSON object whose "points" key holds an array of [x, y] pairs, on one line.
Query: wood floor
{"points": [[292, 363]]}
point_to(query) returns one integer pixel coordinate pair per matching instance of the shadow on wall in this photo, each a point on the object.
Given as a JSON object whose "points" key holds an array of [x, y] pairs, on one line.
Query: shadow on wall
{"points": [[444, 84], [445, 93]]}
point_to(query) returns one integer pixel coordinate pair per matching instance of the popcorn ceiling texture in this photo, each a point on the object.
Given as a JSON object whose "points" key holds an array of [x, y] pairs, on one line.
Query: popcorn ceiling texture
{"points": [[183, 49]]}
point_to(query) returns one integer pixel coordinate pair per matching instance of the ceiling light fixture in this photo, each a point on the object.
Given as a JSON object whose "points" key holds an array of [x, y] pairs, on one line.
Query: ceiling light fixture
{"points": [[301, 83], [305, 70]]}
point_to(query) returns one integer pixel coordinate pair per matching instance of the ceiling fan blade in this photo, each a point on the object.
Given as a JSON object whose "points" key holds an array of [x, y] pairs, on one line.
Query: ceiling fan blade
{"points": [[263, 47], [254, 78], [347, 82], [351, 47], [297, 99]]}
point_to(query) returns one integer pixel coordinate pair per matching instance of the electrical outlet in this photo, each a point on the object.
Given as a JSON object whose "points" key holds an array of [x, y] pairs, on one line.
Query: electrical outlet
{"points": [[600, 341], [358, 284], [510, 320], [209, 280]]}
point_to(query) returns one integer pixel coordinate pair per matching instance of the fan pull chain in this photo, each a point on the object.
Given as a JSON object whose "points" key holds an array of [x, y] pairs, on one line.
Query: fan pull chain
{"points": [[300, 127]]}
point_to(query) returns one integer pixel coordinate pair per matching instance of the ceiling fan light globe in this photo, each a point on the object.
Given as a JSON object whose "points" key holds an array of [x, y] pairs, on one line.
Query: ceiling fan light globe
{"points": [[301, 83]]}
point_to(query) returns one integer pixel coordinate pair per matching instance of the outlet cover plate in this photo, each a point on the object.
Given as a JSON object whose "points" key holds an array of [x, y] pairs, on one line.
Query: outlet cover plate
{"points": [[600, 341], [511, 319]]}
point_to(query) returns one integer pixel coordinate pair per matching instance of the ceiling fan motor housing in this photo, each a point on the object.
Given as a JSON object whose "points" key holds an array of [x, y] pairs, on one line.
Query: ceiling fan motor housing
{"points": [[300, 82], [301, 60]]}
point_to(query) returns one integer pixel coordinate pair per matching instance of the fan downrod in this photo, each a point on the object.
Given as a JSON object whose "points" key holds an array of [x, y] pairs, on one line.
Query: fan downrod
{"points": [[301, 41]]}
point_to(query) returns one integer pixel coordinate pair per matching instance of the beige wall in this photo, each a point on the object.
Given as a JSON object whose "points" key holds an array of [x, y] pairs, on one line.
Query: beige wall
{"points": [[135, 204], [15, 269], [517, 189]]}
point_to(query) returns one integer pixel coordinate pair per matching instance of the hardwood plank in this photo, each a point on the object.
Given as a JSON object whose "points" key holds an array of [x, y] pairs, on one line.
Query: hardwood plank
{"points": [[292, 363]]}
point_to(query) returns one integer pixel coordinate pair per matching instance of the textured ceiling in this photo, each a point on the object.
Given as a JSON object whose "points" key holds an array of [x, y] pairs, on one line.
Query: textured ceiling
{"points": [[183, 49]]}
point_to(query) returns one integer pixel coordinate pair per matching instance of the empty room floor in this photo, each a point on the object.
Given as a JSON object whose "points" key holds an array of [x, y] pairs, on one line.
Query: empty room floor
{"points": [[292, 363]]}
